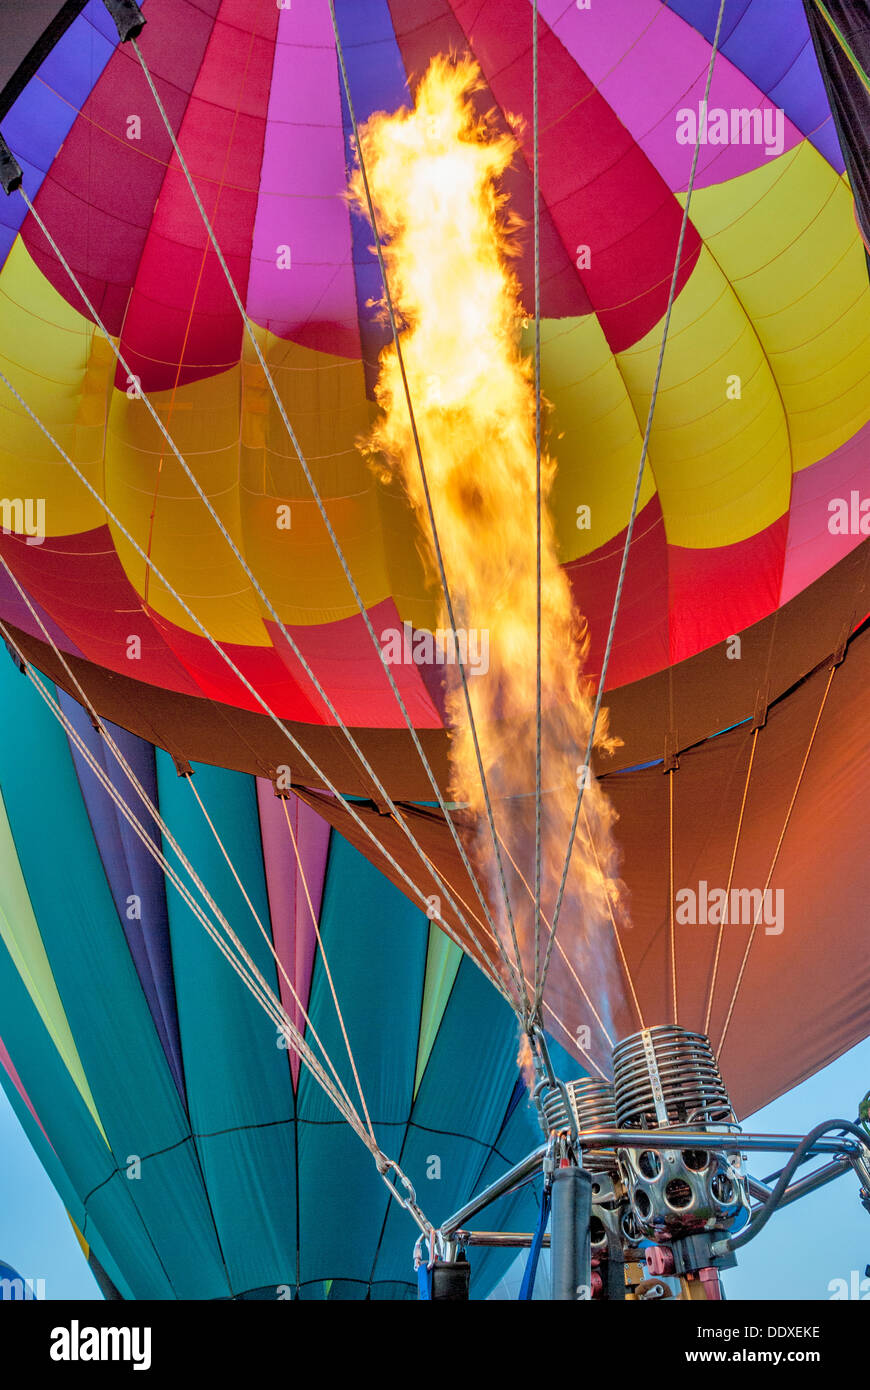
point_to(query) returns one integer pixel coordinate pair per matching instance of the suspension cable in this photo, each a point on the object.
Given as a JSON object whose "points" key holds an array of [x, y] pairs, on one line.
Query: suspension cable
{"points": [[537, 249], [319, 773], [633, 514], [245, 967], [242, 963], [439, 558], [269, 942], [776, 853], [721, 931], [154, 810], [332, 536], [315, 923]]}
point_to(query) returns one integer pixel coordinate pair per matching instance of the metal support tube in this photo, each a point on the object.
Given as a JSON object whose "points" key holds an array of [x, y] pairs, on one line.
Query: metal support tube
{"points": [[520, 1240], [570, 1249], [520, 1173], [820, 1178], [708, 1139]]}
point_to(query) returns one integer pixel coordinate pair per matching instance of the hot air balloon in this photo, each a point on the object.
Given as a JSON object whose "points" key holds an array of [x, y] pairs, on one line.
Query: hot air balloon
{"points": [[194, 328], [195, 1156]]}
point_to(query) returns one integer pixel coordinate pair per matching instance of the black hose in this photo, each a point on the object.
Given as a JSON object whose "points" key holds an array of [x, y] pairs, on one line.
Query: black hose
{"points": [[766, 1212]]}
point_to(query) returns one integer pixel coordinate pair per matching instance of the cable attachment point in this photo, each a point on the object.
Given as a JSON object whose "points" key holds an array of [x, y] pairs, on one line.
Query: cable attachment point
{"points": [[555, 1113], [384, 1165], [10, 170], [129, 19]]}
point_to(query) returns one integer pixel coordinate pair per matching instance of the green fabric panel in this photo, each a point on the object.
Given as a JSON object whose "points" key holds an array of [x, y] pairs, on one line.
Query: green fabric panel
{"points": [[238, 1078], [108, 1015], [443, 957], [20, 933]]}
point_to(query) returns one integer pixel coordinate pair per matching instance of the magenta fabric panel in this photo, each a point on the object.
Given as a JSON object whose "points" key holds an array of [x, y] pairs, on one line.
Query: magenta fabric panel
{"points": [[812, 546], [292, 926], [310, 294], [651, 65], [7, 1063], [613, 199]]}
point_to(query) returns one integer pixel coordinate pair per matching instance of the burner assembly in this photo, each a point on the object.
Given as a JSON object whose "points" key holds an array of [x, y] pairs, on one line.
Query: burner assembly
{"points": [[666, 1079], [646, 1175]]}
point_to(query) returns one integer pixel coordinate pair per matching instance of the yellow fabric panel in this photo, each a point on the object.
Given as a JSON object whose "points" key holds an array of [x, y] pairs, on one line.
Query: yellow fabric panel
{"points": [[785, 236], [592, 433], [721, 463], [20, 934], [325, 401], [229, 430], [86, 1249], [54, 357]]}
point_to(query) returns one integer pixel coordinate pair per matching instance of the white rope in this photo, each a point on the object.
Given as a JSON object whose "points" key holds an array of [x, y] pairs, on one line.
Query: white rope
{"points": [[539, 994], [268, 940], [155, 812], [340, 798], [251, 976], [519, 973], [249, 328]]}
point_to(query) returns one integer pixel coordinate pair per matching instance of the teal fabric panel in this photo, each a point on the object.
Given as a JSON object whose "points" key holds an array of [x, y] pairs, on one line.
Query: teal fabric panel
{"points": [[376, 942], [108, 1015], [239, 1090], [459, 1115]]}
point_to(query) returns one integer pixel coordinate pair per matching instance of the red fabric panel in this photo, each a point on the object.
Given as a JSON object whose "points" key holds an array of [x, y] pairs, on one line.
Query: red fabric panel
{"points": [[805, 994], [81, 583], [640, 644], [99, 195], [600, 187], [181, 308], [342, 656], [425, 29], [262, 666], [715, 593]]}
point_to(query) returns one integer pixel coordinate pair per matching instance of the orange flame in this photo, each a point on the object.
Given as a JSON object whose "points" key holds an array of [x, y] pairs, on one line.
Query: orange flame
{"points": [[433, 174]]}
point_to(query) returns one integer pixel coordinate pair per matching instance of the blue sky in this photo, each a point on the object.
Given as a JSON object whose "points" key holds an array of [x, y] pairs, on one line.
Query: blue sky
{"points": [[805, 1247]]}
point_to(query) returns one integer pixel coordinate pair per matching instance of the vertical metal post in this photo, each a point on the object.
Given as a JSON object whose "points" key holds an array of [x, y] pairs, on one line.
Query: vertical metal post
{"points": [[570, 1248]]}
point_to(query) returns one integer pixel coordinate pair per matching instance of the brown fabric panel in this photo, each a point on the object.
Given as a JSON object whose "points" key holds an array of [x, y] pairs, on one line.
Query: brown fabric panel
{"points": [[695, 699], [805, 996], [205, 731]]}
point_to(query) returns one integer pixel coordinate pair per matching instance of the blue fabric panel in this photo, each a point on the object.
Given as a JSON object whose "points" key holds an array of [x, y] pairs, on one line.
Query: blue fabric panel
{"points": [[376, 77], [43, 115]]}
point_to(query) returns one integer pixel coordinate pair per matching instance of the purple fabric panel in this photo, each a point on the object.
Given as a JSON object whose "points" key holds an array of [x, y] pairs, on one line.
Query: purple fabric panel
{"points": [[301, 202], [650, 66], [811, 549], [130, 869], [292, 927], [769, 41], [15, 611]]}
